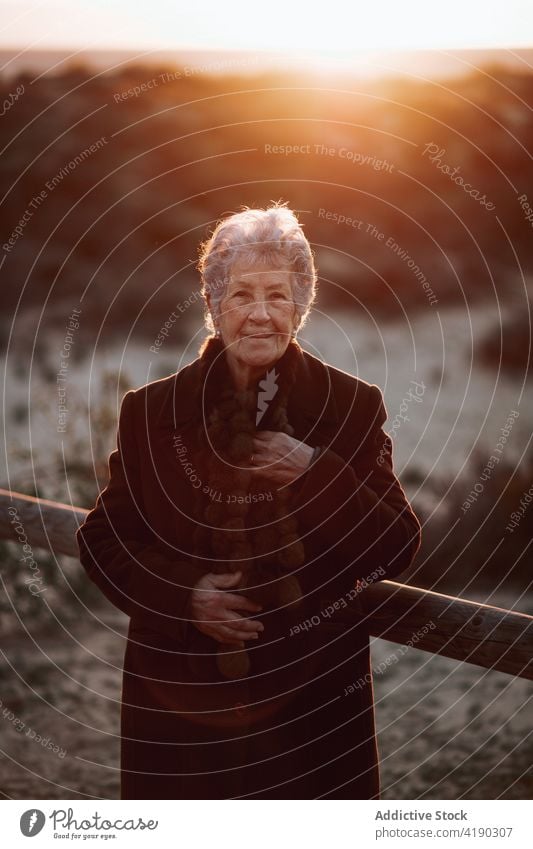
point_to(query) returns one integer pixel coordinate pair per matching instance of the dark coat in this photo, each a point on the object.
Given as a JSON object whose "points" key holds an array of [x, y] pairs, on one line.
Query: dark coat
{"points": [[294, 727]]}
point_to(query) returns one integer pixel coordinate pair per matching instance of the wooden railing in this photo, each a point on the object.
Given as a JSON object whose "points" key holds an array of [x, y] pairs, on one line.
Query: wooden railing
{"points": [[486, 636]]}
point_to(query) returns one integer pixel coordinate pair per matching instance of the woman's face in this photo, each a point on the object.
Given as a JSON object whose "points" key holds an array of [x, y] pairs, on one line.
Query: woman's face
{"points": [[257, 315]]}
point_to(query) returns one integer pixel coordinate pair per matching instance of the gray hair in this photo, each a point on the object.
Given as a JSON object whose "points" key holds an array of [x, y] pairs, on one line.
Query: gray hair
{"points": [[274, 236]]}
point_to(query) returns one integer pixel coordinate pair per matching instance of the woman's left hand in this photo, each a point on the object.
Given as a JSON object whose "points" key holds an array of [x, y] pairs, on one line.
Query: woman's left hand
{"points": [[279, 457]]}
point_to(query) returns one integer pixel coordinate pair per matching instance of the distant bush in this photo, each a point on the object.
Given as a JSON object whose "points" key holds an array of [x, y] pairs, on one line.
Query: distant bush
{"points": [[509, 344], [479, 553], [133, 212]]}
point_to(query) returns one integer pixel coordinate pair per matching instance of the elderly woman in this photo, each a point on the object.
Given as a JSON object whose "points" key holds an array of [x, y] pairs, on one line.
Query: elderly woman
{"points": [[251, 496]]}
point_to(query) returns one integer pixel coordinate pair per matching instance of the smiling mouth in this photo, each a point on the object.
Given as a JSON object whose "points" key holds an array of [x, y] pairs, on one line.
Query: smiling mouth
{"points": [[258, 335]]}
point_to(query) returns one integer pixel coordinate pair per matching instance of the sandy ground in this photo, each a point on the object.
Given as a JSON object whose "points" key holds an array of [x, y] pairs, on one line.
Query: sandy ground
{"points": [[451, 730], [446, 730]]}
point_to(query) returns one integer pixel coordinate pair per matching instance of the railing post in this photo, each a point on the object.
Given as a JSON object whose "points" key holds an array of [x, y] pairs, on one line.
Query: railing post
{"points": [[487, 636]]}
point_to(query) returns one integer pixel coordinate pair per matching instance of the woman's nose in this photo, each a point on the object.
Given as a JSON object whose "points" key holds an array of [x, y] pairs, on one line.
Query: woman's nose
{"points": [[259, 310]]}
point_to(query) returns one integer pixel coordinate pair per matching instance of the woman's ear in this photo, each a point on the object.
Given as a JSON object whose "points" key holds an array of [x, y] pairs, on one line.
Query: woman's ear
{"points": [[208, 303]]}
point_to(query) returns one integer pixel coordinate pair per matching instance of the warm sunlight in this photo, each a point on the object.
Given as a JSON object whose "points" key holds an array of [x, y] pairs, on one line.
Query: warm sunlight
{"points": [[337, 26]]}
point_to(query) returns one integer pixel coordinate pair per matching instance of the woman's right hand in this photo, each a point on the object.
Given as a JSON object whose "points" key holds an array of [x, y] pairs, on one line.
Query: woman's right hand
{"points": [[215, 613]]}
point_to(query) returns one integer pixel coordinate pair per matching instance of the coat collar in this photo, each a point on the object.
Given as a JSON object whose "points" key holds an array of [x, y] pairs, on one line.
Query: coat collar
{"points": [[311, 398]]}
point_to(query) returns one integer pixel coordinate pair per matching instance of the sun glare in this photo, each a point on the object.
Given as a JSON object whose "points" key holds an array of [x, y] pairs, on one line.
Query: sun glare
{"points": [[337, 27]]}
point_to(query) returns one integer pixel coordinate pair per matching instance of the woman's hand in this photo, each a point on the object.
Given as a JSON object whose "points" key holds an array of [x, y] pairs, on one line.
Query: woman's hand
{"points": [[279, 457], [214, 612]]}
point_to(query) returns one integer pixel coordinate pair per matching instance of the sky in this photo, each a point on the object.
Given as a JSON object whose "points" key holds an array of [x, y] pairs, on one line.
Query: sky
{"points": [[275, 25]]}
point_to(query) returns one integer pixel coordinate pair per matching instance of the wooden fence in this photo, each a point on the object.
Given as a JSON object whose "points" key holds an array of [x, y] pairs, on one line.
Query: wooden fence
{"points": [[486, 636]]}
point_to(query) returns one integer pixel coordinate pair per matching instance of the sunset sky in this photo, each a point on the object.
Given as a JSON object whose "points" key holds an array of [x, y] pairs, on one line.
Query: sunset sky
{"points": [[277, 24]]}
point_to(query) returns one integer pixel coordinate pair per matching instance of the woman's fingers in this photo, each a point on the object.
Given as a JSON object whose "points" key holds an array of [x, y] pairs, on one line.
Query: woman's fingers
{"points": [[237, 634], [236, 623], [226, 624], [231, 626], [240, 602], [224, 633], [227, 579], [239, 622]]}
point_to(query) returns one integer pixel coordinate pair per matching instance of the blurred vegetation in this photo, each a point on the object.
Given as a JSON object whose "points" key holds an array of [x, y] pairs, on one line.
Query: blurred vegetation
{"points": [[62, 587], [124, 225], [467, 548], [78, 467], [118, 238], [75, 476], [508, 345]]}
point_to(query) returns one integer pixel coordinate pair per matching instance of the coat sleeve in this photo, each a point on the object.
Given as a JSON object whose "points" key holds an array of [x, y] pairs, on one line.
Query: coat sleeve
{"points": [[121, 555], [358, 510]]}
